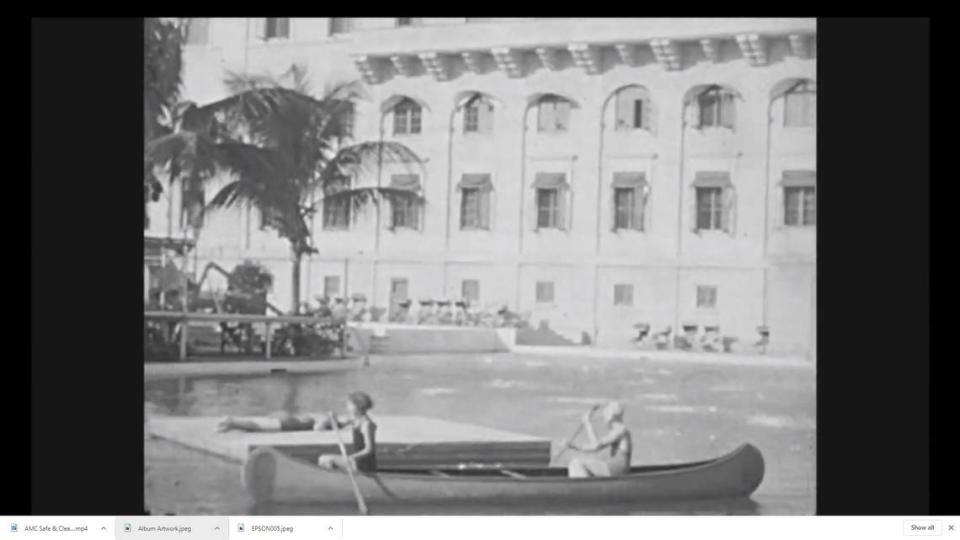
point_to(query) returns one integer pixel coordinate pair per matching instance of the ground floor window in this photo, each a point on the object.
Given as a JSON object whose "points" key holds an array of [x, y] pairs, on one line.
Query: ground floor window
{"points": [[470, 290], [544, 292], [331, 286], [706, 296], [623, 294]]}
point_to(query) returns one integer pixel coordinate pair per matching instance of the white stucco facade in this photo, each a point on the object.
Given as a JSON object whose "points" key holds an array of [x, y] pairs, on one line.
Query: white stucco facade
{"points": [[762, 267]]}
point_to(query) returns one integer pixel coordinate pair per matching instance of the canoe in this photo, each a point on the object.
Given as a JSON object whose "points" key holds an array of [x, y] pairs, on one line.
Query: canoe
{"points": [[273, 477]]}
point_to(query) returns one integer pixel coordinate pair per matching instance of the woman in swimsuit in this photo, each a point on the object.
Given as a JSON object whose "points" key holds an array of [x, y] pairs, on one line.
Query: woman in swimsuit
{"points": [[364, 431], [282, 421], [617, 439]]}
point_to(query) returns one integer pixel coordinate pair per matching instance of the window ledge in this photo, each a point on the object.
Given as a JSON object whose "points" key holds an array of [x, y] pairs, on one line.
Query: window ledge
{"points": [[714, 232], [267, 42]]}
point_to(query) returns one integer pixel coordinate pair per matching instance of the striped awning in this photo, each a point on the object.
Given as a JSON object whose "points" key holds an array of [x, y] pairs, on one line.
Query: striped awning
{"points": [[797, 178], [708, 179], [475, 181], [549, 180], [629, 179], [409, 182]]}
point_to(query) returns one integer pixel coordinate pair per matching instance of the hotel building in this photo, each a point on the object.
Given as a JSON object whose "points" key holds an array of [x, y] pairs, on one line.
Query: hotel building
{"points": [[594, 173]]}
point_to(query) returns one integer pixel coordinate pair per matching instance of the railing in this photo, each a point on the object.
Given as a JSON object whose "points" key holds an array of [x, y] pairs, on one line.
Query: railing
{"points": [[185, 318]]}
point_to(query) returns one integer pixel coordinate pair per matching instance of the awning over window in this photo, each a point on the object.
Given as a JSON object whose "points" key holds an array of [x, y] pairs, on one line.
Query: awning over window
{"points": [[550, 180], [707, 179], [475, 181], [799, 179], [409, 182], [388, 104], [629, 179]]}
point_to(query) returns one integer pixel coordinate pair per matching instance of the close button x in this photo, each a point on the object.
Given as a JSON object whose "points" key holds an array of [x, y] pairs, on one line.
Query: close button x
{"points": [[949, 527]]}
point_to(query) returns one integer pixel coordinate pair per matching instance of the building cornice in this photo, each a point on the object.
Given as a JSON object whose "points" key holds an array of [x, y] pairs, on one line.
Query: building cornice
{"points": [[439, 51]]}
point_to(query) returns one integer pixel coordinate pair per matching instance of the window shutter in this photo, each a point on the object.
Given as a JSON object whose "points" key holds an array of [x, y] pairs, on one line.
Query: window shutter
{"points": [[535, 214], [484, 209], [546, 112], [729, 210], [259, 28], [728, 109], [283, 27], [638, 208], [612, 204], [649, 121], [563, 198], [485, 117], [623, 118], [693, 209], [562, 112], [692, 114]]}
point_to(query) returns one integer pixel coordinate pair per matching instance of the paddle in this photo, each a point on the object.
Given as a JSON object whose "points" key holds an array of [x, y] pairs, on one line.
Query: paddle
{"points": [[361, 505], [572, 437]]}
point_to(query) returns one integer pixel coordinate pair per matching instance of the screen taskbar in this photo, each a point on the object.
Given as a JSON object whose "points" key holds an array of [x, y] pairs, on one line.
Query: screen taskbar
{"points": [[470, 527]]}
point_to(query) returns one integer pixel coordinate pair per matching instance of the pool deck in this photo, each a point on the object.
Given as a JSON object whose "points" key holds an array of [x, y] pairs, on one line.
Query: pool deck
{"points": [[404, 438], [259, 366], [668, 356]]}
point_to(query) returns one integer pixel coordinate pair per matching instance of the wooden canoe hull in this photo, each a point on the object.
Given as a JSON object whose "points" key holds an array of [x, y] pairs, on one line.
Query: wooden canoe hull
{"points": [[272, 477]]}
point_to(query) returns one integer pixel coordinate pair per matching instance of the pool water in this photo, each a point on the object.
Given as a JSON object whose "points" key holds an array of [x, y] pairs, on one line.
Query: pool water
{"points": [[676, 413]]}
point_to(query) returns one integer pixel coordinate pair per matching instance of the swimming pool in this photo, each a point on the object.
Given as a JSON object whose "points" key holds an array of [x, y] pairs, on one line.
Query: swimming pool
{"points": [[677, 412]]}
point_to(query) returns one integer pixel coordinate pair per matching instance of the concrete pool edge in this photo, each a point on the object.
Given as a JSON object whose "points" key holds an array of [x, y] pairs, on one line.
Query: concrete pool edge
{"points": [[246, 367], [684, 357]]}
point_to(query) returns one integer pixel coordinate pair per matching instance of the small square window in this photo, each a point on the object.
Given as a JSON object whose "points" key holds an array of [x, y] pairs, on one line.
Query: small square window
{"points": [[623, 294], [470, 290], [331, 286], [706, 296], [544, 292]]}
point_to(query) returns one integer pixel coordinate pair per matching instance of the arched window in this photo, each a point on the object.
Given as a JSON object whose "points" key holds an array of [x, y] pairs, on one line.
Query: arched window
{"points": [[633, 109], [553, 114], [478, 115], [406, 117], [716, 107], [800, 105]]}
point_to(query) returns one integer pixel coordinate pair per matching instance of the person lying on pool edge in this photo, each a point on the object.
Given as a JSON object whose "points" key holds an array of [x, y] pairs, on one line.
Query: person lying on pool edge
{"points": [[617, 438], [279, 421]]}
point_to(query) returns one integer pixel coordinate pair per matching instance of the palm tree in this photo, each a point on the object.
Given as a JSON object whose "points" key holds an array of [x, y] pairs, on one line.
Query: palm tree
{"points": [[285, 152], [162, 47]]}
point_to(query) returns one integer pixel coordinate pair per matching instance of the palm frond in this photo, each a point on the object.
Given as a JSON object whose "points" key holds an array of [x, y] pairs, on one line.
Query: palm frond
{"points": [[365, 157]]}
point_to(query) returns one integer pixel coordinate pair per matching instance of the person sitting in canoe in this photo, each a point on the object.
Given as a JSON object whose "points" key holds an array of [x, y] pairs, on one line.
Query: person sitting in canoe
{"points": [[364, 431], [617, 439]]}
